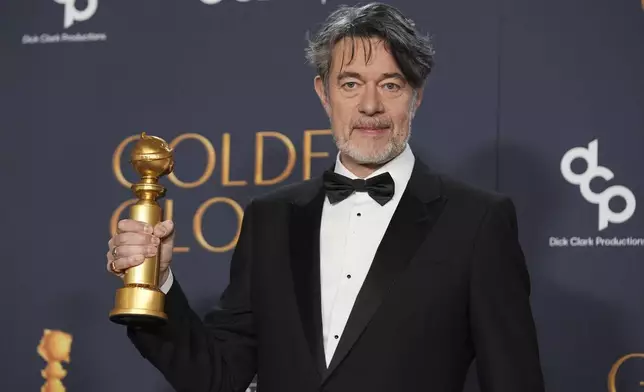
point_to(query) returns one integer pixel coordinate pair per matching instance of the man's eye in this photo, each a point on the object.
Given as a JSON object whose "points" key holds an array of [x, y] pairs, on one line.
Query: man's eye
{"points": [[349, 85], [391, 86]]}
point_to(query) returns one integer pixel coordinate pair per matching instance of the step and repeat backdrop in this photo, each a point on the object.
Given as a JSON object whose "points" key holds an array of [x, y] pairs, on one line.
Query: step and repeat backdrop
{"points": [[541, 100]]}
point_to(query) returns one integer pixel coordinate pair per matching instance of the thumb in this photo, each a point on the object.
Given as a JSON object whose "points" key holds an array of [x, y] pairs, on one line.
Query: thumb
{"points": [[164, 229]]}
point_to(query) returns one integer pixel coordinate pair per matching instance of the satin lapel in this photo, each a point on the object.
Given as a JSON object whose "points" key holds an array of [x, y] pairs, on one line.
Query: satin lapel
{"points": [[409, 227], [305, 266]]}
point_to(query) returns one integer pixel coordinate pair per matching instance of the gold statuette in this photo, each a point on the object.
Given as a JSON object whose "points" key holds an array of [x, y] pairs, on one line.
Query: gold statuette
{"points": [[141, 302], [54, 347]]}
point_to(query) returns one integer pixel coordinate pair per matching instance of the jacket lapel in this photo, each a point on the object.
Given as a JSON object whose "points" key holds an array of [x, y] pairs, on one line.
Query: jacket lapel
{"points": [[305, 218], [417, 211]]}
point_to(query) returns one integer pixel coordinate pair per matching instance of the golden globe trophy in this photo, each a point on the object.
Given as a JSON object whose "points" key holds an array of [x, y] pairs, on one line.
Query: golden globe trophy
{"points": [[140, 302]]}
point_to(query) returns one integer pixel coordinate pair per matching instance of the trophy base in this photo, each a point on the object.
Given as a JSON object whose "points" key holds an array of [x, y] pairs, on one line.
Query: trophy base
{"points": [[137, 320], [139, 306]]}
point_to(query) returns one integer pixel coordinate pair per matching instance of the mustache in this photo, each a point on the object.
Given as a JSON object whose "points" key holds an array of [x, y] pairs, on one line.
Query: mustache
{"points": [[372, 123]]}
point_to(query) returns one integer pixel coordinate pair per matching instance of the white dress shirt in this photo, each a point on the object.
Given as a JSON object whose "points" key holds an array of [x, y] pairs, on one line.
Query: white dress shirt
{"points": [[350, 234], [165, 287]]}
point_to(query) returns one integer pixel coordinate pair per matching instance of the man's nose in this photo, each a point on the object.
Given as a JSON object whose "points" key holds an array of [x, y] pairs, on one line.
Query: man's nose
{"points": [[371, 102]]}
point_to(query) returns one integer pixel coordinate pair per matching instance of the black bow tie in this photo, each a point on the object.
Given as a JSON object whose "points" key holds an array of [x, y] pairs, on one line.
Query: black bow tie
{"points": [[339, 187]]}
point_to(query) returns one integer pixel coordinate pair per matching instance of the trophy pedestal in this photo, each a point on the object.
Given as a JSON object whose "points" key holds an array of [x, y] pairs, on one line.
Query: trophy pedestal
{"points": [[136, 305]]}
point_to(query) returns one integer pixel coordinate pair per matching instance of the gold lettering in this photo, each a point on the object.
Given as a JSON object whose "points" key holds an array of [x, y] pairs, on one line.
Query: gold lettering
{"points": [[210, 164], [167, 212], [116, 160], [308, 154], [225, 164], [197, 225], [259, 158], [612, 383]]}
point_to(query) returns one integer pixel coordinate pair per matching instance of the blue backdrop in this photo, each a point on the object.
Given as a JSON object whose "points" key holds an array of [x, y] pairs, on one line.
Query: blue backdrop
{"points": [[518, 84]]}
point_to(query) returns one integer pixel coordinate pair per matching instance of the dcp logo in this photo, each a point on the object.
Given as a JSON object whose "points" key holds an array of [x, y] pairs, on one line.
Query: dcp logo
{"points": [[593, 170], [72, 14]]}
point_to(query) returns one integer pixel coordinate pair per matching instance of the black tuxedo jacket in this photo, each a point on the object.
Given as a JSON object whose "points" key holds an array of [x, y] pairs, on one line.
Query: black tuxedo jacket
{"points": [[448, 284]]}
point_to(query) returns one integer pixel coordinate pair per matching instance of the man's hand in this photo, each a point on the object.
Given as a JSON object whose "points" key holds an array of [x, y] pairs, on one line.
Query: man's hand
{"points": [[135, 241]]}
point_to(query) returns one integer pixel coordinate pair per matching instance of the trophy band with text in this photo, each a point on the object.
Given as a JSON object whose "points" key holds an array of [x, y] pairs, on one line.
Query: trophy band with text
{"points": [[140, 302]]}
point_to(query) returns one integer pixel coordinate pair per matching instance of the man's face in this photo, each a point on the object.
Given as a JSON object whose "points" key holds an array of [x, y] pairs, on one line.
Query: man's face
{"points": [[370, 104]]}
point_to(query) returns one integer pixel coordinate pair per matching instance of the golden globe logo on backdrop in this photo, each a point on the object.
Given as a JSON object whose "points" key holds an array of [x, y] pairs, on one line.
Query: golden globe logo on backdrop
{"points": [[55, 348], [220, 161]]}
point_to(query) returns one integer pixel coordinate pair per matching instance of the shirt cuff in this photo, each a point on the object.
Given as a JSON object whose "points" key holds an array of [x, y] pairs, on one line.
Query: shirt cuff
{"points": [[165, 287]]}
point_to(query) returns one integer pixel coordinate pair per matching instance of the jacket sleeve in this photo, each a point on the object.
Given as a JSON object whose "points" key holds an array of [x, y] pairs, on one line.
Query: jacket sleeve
{"points": [[218, 353], [502, 325]]}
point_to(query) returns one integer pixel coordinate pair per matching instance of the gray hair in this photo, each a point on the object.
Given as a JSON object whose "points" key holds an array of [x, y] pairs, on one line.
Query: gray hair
{"points": [[413, 52]]}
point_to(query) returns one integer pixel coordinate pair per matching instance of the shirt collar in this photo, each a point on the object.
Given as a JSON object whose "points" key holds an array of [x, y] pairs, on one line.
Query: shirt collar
{"points": [[400, 169]]}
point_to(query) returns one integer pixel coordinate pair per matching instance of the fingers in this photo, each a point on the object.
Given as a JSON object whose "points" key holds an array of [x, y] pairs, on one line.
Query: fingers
{"points": [[130, 225], [134, 242], [164, 229], [123, 263], [133, 239], [134, 250], [127, 256]]}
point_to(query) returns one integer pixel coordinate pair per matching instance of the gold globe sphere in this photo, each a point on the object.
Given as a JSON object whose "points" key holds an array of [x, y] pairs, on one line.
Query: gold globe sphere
{"points": [[152, 157]]}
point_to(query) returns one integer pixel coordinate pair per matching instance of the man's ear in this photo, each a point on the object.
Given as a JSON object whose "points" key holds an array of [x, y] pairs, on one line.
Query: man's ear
{"points": [[321, 91]]}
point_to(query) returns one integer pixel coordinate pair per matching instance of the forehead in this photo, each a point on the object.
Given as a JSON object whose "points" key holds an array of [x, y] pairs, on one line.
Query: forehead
{"points": [[362, 55]]}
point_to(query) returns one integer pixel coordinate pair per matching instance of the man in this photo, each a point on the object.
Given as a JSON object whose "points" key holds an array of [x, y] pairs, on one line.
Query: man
{"points": [[380, 275]]}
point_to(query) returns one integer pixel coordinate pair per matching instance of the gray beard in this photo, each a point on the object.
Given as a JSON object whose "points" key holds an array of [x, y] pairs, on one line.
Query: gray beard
{"points": [[392, 150]]}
